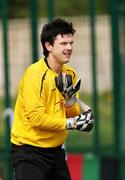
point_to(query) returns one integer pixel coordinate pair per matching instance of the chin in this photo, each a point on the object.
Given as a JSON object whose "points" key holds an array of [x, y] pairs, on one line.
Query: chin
{"points": [[67, 60]]}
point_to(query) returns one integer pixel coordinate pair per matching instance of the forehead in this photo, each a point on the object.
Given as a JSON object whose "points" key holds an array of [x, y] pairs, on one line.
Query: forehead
{"points": [[64, 37]]}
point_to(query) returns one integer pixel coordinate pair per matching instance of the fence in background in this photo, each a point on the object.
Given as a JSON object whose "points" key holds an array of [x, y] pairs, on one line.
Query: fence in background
{"points": [[99, 58]]}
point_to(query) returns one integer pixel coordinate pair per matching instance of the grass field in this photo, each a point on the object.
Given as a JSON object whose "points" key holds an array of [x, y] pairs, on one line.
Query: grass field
{"points": [[85, 142]]}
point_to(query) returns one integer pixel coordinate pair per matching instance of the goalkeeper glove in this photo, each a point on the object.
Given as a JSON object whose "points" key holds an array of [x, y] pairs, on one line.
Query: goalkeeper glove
{"points": [[65, 86], [83, 122]]}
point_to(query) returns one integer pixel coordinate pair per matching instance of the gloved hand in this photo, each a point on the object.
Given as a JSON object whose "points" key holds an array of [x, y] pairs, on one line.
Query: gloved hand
{"points": [[67, 89], [83, 122]]}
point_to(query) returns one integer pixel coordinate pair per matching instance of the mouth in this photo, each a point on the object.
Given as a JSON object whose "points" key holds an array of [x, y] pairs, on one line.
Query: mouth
{"points": [[67, 54]]}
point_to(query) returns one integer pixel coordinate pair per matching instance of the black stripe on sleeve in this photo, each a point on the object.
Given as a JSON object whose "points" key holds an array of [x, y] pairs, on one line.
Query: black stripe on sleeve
{"points": [[42, 80], [72, 73]]}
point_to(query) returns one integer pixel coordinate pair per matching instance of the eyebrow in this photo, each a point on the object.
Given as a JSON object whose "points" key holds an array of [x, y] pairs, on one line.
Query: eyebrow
{"points": [[65, 42]]}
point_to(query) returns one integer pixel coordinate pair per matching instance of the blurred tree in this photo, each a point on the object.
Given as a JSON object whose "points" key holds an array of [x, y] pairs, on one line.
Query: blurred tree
{"points": [[42, 5], [102, 6], [70, 7], [19, 8]]}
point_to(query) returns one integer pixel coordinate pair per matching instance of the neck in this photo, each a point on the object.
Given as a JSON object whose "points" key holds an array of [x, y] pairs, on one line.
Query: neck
{"points": [[54, 65]]}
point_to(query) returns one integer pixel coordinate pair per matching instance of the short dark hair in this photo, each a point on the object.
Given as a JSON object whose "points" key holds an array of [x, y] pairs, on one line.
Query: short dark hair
{"points": [[52, 29]]}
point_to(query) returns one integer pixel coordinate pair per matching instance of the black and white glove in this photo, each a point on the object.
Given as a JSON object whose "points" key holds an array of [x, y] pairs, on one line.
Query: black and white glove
{"points": [[83, 122], [67, 89]]}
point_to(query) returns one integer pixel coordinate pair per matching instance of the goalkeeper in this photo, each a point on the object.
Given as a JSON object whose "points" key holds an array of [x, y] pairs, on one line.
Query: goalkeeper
{"points": [[46, 108]]}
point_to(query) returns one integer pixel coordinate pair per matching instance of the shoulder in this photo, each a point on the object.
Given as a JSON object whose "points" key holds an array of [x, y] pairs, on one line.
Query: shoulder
{"points": [[70, 70], [36, 68]]}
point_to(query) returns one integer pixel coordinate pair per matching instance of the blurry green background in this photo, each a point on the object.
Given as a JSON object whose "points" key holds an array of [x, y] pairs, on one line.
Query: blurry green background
{"points": [[99, 58]]}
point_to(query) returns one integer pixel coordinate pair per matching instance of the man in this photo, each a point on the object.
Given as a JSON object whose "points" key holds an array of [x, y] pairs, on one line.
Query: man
{"points": [[46, 108]]}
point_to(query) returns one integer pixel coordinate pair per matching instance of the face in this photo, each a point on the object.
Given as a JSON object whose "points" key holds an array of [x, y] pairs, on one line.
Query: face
{"points": [[62, 48]]}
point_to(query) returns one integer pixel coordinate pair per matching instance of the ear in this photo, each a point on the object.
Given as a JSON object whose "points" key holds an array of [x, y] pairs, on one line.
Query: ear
{"points": [[48, 46]]}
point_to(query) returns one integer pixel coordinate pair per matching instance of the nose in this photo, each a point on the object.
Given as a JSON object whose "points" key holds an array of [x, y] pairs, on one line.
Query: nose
{"points": [[69, 46]]}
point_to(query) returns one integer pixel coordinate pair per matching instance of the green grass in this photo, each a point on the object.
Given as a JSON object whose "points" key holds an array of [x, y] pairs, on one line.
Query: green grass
{"points": [[3, 123], [1, 118], [84, 142]]}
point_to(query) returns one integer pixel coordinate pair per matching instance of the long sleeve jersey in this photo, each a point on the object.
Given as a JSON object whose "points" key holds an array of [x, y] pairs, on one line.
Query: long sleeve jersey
{"points": [[40, 114]]}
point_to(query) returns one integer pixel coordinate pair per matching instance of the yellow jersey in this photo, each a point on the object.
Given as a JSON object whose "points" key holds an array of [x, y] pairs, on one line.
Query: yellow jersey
{"points": [[40, 114]]}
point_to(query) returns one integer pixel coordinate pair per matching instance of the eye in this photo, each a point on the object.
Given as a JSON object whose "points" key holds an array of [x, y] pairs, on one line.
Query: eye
{"points": [[64, 43]]}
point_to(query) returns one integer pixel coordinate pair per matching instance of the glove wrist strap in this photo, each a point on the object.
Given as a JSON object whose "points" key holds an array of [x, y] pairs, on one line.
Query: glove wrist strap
{"points": [[70, 102], [70, 123]]}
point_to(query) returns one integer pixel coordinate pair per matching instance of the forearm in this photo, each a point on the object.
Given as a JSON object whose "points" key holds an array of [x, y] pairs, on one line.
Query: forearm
{"points": [[73, 110], [41, 119]]}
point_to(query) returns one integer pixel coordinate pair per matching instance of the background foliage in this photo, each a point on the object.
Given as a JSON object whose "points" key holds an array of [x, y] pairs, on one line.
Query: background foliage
{"points": [[75, 8]]}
